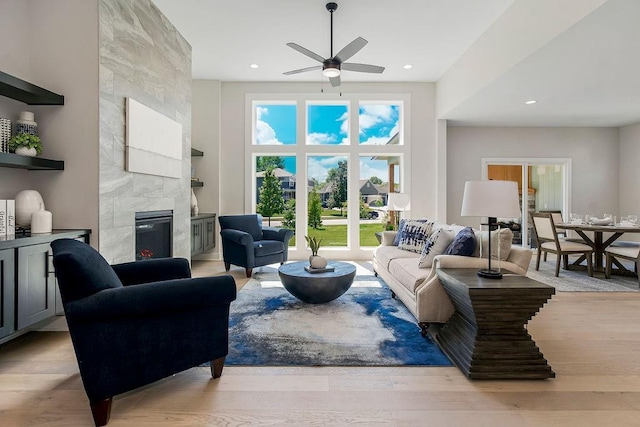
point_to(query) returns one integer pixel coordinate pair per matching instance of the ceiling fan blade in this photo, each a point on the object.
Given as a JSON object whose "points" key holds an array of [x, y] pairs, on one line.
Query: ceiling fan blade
{"points": [[351, 49], [363, 68], [306, 51], [335, 81], [303, 70]]}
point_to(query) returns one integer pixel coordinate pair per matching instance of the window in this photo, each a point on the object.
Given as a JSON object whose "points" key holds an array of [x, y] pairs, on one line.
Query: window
{"points": [[275, 124], [327, 124], [330, 185]]}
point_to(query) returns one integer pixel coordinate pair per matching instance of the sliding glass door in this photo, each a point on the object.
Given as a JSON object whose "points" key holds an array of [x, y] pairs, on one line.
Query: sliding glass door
{"points": [[543, 185]]}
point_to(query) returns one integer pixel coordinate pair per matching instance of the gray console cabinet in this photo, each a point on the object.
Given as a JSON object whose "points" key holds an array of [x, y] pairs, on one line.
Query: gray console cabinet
{"points": [[203, 233], [7, 293], [36, 286]]}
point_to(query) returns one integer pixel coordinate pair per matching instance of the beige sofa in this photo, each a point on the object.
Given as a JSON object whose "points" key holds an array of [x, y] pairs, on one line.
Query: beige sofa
{"points": [[419, 288]]}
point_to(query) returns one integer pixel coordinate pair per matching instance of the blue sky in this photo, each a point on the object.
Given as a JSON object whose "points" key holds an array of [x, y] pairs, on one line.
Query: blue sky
{"points": [[328, 124]]}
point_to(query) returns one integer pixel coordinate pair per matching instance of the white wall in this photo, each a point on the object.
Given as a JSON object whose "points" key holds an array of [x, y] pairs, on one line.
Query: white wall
{"points": [[57, 50], [594, 153], [205, 136], [629, 170]]}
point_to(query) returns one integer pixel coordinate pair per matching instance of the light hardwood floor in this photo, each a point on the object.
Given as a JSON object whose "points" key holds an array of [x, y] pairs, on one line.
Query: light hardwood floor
{"points": [[592, 341]]}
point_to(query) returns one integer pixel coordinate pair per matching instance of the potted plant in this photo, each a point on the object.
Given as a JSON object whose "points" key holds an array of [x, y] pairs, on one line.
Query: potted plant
{"points": [[314, 260], [25, 144]]}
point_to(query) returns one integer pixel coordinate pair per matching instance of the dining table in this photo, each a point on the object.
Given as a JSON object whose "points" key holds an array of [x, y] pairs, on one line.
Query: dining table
{"points": [[599, 243]]}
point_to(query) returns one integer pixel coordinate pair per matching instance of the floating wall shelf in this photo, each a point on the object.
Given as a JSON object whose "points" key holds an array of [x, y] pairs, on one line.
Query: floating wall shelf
{"points": [[20, 90], [197, 184], [196, 153], [9, 160]]}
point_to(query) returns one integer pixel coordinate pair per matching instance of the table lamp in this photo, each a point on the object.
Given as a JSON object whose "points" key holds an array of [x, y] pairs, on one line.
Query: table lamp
{"points": [[491, 199], [398, 202]]}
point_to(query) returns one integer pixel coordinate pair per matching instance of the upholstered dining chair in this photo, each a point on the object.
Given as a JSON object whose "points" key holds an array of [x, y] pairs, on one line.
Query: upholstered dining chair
{"points": [[135, 323], [563, 234], [245, 242], [631, 253], [548, 241]]}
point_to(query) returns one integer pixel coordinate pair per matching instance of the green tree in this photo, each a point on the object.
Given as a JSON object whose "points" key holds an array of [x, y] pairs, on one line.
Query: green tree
{"points": [[315, 209], [338, 179], [265, 162], [271, 199], [289, 216], [375, 180]]}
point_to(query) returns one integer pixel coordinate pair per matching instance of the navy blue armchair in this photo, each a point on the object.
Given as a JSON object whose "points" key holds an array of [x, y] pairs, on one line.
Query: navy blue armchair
{"points": [[247, 244], [135, 323]]}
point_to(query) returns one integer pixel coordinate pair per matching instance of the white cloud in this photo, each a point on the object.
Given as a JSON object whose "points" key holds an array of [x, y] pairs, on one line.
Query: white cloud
{"points": [[344, 126], [376, 140], [265, 135], [320, 138], [318, 166], [374, 114], [373, 168]]}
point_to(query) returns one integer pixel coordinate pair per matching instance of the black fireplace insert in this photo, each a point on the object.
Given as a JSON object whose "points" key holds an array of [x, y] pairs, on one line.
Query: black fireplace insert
{"points": [[154, 235]]}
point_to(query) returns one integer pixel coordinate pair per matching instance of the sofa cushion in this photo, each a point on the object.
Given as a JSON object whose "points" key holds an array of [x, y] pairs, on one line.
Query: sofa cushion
{"points": [[500, 243], [436, 244], [414, 234], [463, 244], [407, 272], [384, 255], [396, 240]]}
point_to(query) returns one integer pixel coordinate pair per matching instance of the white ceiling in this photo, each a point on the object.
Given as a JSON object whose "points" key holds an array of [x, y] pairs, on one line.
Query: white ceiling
{"points": [[586, 76]]}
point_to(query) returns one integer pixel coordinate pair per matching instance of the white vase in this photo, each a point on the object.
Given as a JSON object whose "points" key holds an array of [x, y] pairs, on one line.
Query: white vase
{"points": [[317, 261], [26, 151], [41, 221], [194, 203], [27, 202]]}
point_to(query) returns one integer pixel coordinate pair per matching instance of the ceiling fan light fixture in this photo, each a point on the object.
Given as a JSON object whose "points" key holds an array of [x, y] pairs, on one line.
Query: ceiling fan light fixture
{"points": [[331, 72]]}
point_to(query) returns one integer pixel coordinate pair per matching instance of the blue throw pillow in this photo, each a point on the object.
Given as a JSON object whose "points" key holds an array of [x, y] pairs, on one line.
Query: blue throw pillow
{"points": [[464, 243]]}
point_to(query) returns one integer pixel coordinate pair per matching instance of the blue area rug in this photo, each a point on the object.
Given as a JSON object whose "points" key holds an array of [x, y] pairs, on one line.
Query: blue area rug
{"points": [[364, 327]]}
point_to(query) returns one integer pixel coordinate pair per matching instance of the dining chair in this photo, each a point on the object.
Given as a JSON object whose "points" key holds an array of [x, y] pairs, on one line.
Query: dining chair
{"points": [[631, 253], [548, 241]]}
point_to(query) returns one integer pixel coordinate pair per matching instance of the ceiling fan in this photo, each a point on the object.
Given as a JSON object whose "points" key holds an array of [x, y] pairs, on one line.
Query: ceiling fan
{"points": [[332, 66]]}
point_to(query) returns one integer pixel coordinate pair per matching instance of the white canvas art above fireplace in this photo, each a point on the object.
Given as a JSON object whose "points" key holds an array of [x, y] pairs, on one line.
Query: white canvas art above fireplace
{"points": [[154, 142]]}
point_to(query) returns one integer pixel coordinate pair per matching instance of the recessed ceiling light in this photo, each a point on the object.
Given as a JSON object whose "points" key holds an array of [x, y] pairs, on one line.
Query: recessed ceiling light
{"points": [[253, 65], [408, 66], [533, 101]]}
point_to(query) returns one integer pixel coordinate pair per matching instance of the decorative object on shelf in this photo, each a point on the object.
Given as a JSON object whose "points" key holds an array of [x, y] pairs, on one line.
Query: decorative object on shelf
{"points": [[493, 199], [5, 135], [194, 203], [41, 221], [26, 123], [27, 202], [315, 261], [26, 144]]}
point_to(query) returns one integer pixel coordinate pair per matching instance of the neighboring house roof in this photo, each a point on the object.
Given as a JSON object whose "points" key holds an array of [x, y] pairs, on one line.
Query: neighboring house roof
{"points": [[278, 172]]}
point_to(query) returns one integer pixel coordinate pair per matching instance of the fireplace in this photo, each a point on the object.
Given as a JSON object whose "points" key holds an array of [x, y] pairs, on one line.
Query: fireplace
{"points": [[154, 235]]}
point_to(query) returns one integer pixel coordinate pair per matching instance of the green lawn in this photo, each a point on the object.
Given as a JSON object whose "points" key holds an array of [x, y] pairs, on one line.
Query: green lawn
{"points": [[336, 235]]}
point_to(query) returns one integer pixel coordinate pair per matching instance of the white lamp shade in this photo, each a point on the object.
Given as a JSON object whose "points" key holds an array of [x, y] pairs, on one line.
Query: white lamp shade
{"points": [[497, 199], [398, 202]]}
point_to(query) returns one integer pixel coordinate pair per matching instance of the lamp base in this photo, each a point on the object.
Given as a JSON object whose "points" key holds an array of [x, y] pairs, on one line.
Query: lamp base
{"points": [[490, 274]]}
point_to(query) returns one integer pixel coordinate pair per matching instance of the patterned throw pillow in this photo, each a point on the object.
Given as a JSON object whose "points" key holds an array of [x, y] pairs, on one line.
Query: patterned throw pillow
{"points": [[414, 234], [463, 244], [396, 239], [436, 244]]}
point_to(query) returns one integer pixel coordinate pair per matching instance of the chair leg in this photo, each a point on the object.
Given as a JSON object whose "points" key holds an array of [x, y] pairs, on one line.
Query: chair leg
{"points": [[589, 263], [538, 259], [216, 367], [565, 262], [558, 261], [607, 269], [249, 271], [545, 257], [101, 411], [227, 266]]}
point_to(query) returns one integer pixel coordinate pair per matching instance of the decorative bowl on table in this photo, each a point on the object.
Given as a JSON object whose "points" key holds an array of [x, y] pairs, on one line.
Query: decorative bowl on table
{"points": [[600, 221]]}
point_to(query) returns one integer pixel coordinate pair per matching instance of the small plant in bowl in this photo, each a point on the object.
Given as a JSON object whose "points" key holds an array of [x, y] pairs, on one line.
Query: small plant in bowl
{"points": [[314, 260], [26, 144]]}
